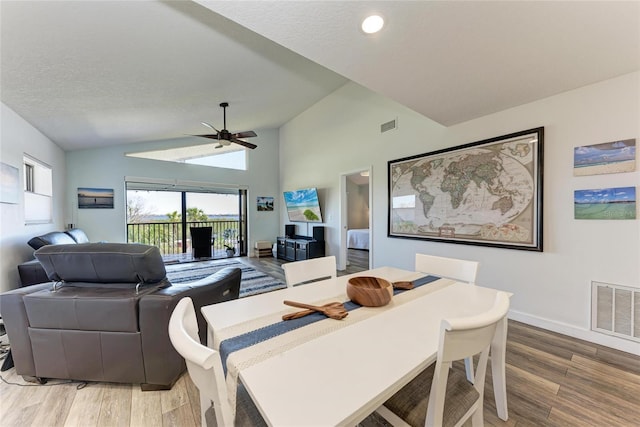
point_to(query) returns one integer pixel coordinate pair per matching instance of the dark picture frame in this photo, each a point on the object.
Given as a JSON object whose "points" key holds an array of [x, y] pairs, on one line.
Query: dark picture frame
{"points": [[95, 198], [484, 193], [264, 203]]}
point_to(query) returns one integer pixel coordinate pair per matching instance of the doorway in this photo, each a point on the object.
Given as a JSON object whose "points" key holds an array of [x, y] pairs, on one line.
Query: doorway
{"points": [[356, 247]]}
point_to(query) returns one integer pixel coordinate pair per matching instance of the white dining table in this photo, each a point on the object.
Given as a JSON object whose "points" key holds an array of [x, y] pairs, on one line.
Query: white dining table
{"points": [[341, 376]]}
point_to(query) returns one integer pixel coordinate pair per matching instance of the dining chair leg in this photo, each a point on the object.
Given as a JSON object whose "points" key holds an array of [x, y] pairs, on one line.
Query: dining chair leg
{"points": [[498, 368], [468, 367], [204, 405]]}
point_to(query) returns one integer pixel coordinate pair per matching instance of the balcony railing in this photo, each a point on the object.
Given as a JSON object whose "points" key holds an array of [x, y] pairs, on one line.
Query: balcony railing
{"points": [[168, 235]]}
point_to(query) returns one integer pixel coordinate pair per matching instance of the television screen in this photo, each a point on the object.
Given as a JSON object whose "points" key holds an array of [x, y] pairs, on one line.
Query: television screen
{"points": [[303, 205]]}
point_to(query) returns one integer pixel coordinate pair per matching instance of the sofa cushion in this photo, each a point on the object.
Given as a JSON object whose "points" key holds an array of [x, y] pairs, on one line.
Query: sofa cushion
{"points": [[85, 309], [78, 235], [112, 263], [53, 238]]}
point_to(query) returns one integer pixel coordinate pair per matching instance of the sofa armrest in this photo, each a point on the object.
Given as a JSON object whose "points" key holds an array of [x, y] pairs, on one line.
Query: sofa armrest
{"points": [[16, 324], [31, 273], [163, 365]]}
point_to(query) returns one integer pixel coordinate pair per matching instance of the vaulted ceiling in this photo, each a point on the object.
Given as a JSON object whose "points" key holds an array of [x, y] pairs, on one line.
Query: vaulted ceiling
{"points": [[90, 74]]}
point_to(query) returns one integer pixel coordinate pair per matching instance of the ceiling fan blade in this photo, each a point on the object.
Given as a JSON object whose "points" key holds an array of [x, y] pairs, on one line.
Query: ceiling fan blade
{"points": [[245, 134], [210, 136], [210, 126], [243, 143]]}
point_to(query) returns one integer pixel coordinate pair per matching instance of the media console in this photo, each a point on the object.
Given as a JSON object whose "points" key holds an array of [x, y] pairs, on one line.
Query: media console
{"points": [[296, 248]]}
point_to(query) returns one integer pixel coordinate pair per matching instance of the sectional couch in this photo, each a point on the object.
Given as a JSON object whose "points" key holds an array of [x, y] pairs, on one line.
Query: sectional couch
{"points": [[31, 272], [104, 315]]}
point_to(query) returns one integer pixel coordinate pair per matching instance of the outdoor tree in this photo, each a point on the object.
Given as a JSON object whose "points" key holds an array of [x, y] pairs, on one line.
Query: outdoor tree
{"points": [[196, 214], [174, 216], [137, 211]]}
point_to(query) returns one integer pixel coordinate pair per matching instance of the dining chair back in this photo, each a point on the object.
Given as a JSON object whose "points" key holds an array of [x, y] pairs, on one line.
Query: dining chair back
{"points": [[309, 270], [440, 396], [451, 268], [203, 364]]}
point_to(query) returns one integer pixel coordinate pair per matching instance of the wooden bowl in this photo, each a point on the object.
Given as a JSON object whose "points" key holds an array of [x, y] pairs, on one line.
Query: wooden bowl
{"points": [[369, 291]]}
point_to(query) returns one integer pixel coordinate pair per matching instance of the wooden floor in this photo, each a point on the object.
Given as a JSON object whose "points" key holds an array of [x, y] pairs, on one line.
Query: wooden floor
{"points": [[552, 380]]}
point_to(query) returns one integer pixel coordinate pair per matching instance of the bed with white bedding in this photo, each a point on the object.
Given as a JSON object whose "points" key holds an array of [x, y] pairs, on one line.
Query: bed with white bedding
{"points": [[358, 238]]}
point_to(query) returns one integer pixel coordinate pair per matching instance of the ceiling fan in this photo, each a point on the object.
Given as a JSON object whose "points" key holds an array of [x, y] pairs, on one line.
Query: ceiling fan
{"points": [[224, 137]]}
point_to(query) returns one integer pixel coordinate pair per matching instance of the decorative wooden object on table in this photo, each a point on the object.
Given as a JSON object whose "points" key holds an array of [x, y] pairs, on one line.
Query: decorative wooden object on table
{"points": [[333, 311], [369, 291], [303, 313]]}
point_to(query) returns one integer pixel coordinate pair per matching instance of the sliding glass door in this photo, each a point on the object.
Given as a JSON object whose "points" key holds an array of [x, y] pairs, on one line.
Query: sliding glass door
{"points": [[163, 217]]}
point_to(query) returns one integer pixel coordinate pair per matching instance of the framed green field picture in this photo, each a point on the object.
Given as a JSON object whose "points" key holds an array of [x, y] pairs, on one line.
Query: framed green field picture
{"points": [[605, 203]]}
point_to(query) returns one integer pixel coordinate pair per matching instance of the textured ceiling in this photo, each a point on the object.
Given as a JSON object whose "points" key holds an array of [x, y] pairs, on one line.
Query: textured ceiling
{"points": [[453, 61], [90, 74]]}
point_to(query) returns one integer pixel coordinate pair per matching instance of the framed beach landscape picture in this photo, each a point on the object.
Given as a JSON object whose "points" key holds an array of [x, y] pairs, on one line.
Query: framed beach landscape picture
{"points": [[605, 203], [95, 198], [608, 157]]}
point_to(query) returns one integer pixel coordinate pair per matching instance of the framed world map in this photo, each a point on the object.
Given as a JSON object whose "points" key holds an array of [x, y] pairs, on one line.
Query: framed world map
{"points": [[486, 193]]}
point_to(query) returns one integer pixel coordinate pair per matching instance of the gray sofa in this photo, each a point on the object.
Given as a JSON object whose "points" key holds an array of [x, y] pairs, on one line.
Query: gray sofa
{"points": [[31, 272], [104, 315]]}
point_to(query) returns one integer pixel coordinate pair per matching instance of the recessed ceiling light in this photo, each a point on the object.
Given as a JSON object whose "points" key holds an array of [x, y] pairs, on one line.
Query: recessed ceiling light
{"points": [[372, 24]]}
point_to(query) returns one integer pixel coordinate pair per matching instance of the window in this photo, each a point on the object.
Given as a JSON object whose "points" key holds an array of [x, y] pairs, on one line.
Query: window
{"points": [[28, 177], [228, 156], [38, 191]]}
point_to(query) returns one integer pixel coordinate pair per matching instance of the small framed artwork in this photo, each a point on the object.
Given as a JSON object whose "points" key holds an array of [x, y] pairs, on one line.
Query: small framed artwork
{"points": [[608, 157], [9, 184], [605, 203], [265, 204], [95, 198]]}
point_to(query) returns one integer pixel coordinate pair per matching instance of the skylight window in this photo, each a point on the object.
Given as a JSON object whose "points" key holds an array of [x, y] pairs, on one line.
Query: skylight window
{"points": [[229, 157]]}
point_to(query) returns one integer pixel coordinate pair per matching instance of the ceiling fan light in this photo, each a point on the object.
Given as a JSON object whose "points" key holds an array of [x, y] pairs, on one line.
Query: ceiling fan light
{"points": [[372, 24]]}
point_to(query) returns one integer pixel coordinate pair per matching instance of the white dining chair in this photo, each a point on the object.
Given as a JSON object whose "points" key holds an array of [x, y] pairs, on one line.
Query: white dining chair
{"points": [[450, 268], [440, 396], [311, 269], [205, 369]]}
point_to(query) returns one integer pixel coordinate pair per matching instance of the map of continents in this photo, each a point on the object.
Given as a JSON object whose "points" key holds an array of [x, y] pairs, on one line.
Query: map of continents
{"points": [[480, 194]]}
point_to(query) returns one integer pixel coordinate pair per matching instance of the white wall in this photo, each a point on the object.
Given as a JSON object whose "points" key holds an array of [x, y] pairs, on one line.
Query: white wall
{"points": [[107, 167], [17, 138], [550, 289]]}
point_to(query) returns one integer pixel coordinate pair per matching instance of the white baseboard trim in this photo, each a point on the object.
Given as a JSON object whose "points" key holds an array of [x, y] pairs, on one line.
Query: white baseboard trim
{"points": [[575, 332]]}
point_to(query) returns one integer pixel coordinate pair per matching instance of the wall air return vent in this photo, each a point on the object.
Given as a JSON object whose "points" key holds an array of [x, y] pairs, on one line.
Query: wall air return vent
{"points": [[390, 125], [615, 310]]}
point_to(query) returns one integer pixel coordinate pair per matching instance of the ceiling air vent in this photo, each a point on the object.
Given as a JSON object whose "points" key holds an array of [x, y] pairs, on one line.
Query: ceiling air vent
{"points": [[390, 125]]}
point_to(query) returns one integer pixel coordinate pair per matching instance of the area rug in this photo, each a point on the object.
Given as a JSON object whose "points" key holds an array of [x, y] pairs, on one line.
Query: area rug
{"points": [[253, 281]]}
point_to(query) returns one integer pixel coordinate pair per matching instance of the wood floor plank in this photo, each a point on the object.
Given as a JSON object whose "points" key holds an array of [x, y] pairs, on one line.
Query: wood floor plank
{"points": [[619, 359], [615, 387], [194, 399], [20, 417], [20, 403], [538, 338], [176, 397], [115, 410], [85, 408], [589, 410], [546, 365], [146, 407], [178, 417], [54, 409], [601, 368]]}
